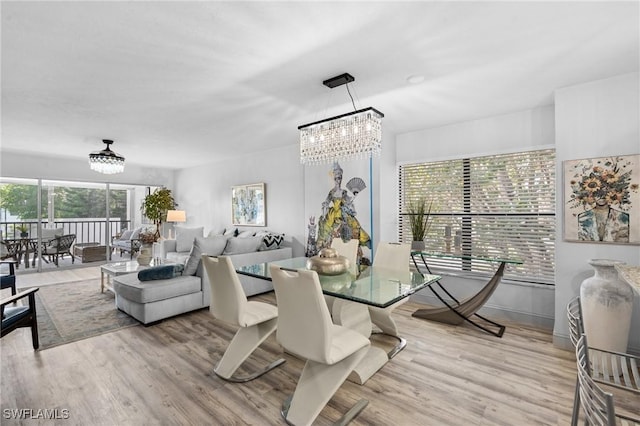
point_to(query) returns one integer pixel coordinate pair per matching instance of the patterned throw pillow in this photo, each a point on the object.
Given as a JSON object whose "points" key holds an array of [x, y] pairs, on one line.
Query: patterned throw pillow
{"points": [[271, 241]]}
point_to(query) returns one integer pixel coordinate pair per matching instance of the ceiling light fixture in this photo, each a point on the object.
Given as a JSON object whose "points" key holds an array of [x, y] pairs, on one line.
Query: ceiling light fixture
{"points": [[106, 161], [347, 136]]}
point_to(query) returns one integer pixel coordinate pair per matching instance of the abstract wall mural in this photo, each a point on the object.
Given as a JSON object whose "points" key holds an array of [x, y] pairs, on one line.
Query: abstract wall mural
{"points": [[602, 200], [335, 209]]}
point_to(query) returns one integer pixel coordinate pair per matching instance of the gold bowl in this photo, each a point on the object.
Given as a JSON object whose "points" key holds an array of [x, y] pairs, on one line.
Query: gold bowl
{"points": [[328, 262]]}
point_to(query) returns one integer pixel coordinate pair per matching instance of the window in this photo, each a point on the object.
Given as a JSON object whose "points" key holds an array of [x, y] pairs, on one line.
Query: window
{"points": [[495, 206]]}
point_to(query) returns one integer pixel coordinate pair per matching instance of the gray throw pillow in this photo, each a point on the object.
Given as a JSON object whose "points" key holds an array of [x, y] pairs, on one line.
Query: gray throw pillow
{"points": [[237, 245], [213, 246], [185, 236]]}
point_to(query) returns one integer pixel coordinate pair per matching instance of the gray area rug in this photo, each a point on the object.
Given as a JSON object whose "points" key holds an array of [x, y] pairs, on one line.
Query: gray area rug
{"points": [[74, 311]]}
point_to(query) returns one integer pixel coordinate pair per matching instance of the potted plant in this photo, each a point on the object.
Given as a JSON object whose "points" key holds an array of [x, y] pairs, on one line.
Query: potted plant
{"points": [[156, 205], [419, 219], [23, 230]]}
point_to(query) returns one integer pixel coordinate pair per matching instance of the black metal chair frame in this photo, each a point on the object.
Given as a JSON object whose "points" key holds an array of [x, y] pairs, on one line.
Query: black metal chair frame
{"points": [[9, 280], [26, 318]]}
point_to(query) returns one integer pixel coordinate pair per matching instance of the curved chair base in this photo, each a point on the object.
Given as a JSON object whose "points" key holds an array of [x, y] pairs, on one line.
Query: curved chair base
{"points": [[316, 385], [245, 341], [402, 342], [342, 421], [243, 379]]}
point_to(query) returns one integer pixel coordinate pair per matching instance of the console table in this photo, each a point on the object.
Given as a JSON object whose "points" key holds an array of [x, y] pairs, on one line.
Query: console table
{"points": [[455, 311]]}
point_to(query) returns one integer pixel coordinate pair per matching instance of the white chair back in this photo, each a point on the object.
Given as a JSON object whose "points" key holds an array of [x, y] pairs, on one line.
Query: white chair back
{"points": [[228, 300], [304, 322], [392, 255], [348, 250]]}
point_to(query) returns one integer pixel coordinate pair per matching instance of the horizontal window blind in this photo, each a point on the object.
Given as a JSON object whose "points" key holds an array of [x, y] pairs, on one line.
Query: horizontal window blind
{"points": [[499, 206]]}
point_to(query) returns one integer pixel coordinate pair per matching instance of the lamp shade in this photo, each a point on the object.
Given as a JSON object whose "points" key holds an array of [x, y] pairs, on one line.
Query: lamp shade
{"points": [[176, 216]]}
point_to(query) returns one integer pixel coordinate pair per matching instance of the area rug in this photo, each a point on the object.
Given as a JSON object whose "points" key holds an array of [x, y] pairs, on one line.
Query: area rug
{"points": [[77, 310]]}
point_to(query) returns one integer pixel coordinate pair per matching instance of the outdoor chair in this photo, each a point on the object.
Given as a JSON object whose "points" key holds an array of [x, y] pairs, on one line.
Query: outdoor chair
{"points": [[9, 280], [14, 317], [306, 331], [257, 320], [616, 369], [598, 405], [10, 250], [58, 247]]}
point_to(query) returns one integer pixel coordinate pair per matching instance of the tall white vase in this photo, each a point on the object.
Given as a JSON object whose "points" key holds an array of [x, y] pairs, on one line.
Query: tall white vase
{"points": [[607, 302]]}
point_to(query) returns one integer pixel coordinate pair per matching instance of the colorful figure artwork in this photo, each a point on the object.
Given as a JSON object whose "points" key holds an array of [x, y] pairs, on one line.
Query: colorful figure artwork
{"points": [[602, 199], [339, 217]]}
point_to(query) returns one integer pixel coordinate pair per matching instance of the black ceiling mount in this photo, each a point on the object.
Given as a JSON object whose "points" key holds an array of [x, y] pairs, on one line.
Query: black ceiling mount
{"points": [[339, 80]]}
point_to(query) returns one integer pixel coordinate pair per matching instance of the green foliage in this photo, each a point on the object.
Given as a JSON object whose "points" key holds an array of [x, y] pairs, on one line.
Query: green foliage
{"points": [[419, 218], [20, 200], [156, 204]]}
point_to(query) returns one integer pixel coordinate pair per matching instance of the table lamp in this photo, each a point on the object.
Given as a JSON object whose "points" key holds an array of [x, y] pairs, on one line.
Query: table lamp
{"points": [[175, 216]]}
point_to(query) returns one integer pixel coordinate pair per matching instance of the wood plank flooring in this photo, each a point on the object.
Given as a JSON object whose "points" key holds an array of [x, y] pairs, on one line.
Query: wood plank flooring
{"points": [[162, 375]]}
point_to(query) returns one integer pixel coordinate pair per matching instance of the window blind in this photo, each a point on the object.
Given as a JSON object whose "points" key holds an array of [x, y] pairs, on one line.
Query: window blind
{"points": [[499, 206]]}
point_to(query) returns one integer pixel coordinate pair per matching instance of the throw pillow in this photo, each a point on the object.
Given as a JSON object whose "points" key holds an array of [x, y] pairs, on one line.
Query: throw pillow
{"points": [[231, 232], [271, 241], [126, 235], [242, 245], [164, 272], [136, 234], [213, 246], [245, 234], [185, 237]]}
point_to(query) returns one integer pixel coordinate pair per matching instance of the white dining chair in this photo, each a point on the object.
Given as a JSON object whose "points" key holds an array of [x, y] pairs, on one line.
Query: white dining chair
{"points": [[349, 250], [306, 331], [394, 256], [257, 320]]}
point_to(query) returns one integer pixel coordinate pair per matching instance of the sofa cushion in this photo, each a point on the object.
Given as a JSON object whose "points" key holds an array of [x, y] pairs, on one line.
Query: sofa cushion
{"points": [[236, 245], [131, 288], [162, 272], [271, 241], [185, 237], [213, 246]]}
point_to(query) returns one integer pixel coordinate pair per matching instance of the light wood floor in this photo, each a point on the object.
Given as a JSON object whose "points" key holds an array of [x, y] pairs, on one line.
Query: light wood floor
{"points": [[163, 375]]}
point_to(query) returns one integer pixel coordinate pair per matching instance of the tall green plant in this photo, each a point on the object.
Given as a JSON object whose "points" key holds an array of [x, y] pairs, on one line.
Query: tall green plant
{"points": [[419, 218], [156, 205]]}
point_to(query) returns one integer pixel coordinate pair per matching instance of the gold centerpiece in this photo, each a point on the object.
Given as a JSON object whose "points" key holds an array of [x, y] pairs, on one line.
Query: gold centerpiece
{"points": [[328, 262]]}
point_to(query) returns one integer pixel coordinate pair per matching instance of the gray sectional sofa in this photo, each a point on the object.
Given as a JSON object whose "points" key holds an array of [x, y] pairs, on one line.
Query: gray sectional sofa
{"points": [[152, 301]]}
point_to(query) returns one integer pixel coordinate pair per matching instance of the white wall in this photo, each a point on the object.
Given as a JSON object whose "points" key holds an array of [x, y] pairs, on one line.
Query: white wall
{"points": [[204, 192], [519, 131], [595, 119]]}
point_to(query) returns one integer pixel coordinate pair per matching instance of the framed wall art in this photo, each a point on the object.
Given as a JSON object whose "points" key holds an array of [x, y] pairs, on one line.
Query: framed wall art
{"points": [[248, 205], [601, 200]]}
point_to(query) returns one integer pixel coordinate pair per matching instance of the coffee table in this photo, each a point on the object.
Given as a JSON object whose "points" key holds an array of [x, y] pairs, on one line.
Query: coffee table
{"points": [[121, 268]]}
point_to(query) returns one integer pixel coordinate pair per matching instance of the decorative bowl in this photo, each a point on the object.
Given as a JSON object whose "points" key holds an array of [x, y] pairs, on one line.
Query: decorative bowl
{"points": [[328, 262]]}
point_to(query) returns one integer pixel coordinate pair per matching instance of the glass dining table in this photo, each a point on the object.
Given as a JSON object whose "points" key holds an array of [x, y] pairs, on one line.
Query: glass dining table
{"points": [[353, 293]]}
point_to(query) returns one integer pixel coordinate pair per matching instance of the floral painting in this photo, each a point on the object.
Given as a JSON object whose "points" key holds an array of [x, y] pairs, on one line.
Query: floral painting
{"points": [[248, 205], [602, 200]]}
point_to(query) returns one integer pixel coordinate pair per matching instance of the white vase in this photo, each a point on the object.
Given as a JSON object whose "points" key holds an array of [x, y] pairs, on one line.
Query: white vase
{"points": [[607, 304], [144, 258]]}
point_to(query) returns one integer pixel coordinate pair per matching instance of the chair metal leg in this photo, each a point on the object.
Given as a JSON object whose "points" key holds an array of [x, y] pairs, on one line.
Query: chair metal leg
{"points": [[246, 340], [576, 405]]}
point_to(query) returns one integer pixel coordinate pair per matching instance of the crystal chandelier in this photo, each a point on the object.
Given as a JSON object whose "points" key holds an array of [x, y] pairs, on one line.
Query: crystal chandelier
{"points": [[356, 134], [106, 161]]}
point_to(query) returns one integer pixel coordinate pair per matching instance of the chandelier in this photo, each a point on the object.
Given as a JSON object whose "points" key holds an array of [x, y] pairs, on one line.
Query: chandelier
{"points": [[356, 134], [106, 161]]}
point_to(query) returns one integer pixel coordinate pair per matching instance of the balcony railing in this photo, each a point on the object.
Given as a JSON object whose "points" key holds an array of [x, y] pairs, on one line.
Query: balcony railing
{"points": [[85, 230]]}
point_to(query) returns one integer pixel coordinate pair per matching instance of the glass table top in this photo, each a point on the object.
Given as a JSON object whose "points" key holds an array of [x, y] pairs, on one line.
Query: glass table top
{"points": [[374, 286]]}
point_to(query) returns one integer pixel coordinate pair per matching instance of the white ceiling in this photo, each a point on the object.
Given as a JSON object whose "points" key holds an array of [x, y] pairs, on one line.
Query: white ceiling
{"points": [[177, 84]]}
